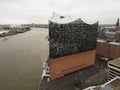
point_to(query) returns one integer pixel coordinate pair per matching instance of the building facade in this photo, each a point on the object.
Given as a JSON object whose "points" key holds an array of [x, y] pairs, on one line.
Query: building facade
{"points": [[72, 45], [113, 69], [110, 50]]}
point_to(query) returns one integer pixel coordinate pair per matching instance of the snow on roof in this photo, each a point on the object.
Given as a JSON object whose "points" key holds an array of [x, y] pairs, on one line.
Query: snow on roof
{"points": [[115, 43], [99, 40], [110, 32]]}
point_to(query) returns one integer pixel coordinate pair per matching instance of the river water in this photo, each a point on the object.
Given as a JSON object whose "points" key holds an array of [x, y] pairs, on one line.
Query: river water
{"points": [[21, 58]]}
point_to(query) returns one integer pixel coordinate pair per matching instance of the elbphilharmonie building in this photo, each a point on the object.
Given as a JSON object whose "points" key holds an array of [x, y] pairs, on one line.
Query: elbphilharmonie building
{"points": [[72, 45]]}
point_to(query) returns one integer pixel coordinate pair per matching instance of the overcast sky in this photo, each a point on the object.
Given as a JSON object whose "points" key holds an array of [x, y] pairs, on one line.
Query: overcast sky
{"points": [[39, 11]]}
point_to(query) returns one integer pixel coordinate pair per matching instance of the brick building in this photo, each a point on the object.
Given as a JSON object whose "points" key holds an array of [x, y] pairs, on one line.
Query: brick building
{"points": [[109, 50]]}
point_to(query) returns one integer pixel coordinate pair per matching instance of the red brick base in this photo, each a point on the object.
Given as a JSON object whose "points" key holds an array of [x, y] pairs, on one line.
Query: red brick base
{"points": [[67, 64]]}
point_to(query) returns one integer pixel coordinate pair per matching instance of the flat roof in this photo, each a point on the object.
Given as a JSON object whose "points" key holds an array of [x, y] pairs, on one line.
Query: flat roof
{"points": [[115, 62], [100, 40], [115, 43], [115, 84]]}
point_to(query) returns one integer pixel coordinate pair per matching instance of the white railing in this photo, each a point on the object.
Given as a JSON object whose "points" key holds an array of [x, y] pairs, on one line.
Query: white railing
{"points": [[46, 70], [102, 86]]}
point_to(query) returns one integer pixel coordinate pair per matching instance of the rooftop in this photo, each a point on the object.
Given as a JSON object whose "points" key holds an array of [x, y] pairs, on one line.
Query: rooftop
{"points": [[60, 19], [115, 62], [65, 19], [115, 43], [108, 32], [100, 40], [113, 84]]}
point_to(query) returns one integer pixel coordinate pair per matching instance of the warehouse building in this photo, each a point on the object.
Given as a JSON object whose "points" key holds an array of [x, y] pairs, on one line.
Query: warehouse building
{"points": [[72, 45], [113, 69], [110, 50]]}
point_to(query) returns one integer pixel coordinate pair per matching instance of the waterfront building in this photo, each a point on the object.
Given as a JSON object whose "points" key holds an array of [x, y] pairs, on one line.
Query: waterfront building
{"points": [[113, 69], [72, 45], [110, 50]]}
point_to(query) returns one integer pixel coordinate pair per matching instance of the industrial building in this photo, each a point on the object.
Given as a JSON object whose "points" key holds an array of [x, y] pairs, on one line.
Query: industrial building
{"points": [[72, 45], [113, 69], [108, 43], [110, 50]]}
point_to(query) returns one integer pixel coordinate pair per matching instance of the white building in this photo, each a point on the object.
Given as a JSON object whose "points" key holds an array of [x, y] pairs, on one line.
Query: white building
{"points": [[113, 84], [113, 68], [1, 32]]}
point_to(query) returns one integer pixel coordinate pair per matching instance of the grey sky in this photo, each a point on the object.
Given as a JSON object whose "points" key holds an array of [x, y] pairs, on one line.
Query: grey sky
{"points": [[39, 11]]}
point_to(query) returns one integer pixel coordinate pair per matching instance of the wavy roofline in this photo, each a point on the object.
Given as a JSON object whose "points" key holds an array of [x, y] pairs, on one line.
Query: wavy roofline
{"points": [[79, 19]]}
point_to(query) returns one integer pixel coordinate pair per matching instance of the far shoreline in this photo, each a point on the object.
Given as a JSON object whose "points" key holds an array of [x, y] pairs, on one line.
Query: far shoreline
{"points": [[4, 32]]}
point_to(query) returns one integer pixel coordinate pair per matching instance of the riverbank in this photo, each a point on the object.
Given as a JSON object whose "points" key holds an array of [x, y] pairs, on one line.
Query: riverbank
{"points": [[4, 33]]}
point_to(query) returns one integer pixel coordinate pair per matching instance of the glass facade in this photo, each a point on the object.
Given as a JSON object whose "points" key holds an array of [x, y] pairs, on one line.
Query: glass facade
{"points": [[71, 38]]}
